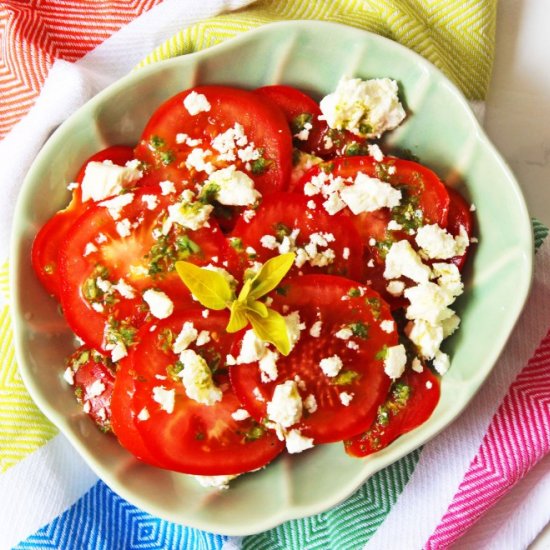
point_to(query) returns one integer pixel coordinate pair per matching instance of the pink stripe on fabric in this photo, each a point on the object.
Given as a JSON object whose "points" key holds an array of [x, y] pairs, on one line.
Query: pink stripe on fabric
{"points": [[517, 438]]}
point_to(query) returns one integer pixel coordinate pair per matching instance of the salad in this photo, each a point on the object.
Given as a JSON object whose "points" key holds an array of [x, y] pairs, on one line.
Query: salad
{"points": [[256, 276]]}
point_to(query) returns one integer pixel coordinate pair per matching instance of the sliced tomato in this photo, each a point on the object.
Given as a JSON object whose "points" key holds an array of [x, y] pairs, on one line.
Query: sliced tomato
{"points": [[194, 438], [123, 416], [310, 132], [346, 403], [48, 240], [166, 152], [133, 248], [411, 401], [303, 223], [460, 216], [93, 381]]}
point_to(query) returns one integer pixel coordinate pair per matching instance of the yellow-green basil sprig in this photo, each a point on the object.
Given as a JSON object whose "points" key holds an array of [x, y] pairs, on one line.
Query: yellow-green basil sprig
{"points": [[213, 291]]}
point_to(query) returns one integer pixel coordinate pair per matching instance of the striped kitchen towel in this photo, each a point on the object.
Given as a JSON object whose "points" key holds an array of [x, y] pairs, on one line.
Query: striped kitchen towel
{"points": [[56, 55]]}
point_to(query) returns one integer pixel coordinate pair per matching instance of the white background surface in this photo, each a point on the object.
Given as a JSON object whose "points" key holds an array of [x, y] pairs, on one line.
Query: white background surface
{"points": [[518, 112]]}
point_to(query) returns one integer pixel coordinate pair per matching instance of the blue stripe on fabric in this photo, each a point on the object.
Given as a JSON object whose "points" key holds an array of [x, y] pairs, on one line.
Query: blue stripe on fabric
{"points": [[101, 520]]}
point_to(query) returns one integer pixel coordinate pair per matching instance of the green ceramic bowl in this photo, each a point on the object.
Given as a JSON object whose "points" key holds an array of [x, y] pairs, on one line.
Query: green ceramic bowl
{"points": [[440, 129]]}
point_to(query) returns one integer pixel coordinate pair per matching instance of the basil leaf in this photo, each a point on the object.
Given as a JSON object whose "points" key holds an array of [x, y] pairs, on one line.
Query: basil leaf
{"points": [[238, 319], [210, 288], [271, 329], [270, 275]]}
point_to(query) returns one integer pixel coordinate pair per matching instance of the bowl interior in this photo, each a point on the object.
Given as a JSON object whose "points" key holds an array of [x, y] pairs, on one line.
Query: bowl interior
{"points": [[440, 129]]}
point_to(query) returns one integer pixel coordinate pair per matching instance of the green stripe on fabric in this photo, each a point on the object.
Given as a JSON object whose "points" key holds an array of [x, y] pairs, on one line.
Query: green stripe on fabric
{"points": [[540, 232], [347, 526], [457, 36], [23, 428]]}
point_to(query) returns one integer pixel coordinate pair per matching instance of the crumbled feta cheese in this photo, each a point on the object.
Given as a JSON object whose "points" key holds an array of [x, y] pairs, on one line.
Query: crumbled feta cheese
{"points": [[221, 483], [116, 204], [191, 215], [315, 330], [296, 442], [234, 188], [197, 379], [167, 187], [395, 361], [89, 249], [428, 302], [165, 398], [68, 376], [197, 160], [293, 327], [196, 103], [252, 348], [118, 351], [187, 335], [240, 415], [159, 303], [448, 278], [269, 242], [395, 288], [151, 201], [96, 306], [394, 226], [352, 345], [95, 389], [124, 289], [331, 366], [102, 180], [124, 228], [344, 333], [258, 394], [417, 365], [375, 152], [366, 108], [402, 259], [72, 186], [441, 362], [369, 194], [438, 244], [345, 398], [285, 407], [426, 337], [334, 204], [268, 366], [345, 253], [310, 403], [87, 407], [203, 338], [143, 415], [387, 326]]}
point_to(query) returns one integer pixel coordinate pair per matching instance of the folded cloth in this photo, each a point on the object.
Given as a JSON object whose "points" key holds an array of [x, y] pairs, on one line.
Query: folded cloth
{"points": [[430, 498]]}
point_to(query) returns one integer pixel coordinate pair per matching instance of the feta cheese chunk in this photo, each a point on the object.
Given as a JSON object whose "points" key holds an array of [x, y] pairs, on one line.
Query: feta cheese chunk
{"points": [[428, 302], [196, 103], [296, 442], [233, 187], [395, 361], [165, 398], [159, 303], [285, 407], [221, 483], [438, 244], [197, 379], [191, 215], [402, 259], [331, 366], [252, 348], [187, 335], [294, 327], [116, 204], [369, 194], [366, 108], [104, 179]]}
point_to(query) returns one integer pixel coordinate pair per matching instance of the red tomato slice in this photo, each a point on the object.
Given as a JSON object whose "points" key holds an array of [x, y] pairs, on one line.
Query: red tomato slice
{"points": [[47, 242], [93, 379], [123, 417], [144, 259], [194, 438], [411, 402], [424, 197], [311, 134], [460, 215], [337, 303], [263, 125], [338, 252]]}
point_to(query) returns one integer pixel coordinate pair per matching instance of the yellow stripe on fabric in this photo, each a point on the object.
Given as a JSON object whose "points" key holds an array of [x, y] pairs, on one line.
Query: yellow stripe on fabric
{"points": [[457, 36], [4, 281], [23, 428]]}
